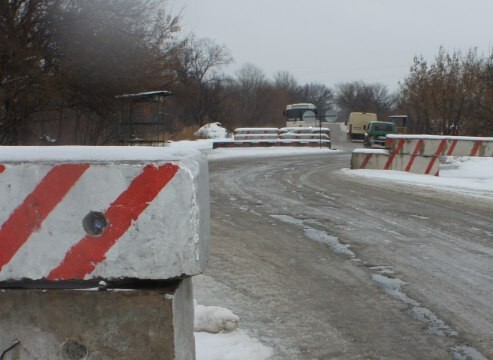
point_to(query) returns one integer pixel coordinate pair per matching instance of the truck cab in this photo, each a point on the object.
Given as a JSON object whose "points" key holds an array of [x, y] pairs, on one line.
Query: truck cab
{"points": [[376, 132]]}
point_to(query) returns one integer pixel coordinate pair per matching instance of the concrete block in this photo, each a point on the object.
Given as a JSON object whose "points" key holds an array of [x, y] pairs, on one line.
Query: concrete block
{"points": [[88, 213], [431, 145], [375, 159], [147, 324], [256, 131]]}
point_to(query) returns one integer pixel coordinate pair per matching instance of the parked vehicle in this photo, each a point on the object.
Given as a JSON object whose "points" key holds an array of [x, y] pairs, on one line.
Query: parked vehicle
{"points": [[357, 124], [376, 132], [302, 114]]}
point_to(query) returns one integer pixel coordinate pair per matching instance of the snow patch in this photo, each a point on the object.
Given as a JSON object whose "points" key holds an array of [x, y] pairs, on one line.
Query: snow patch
{"points": [[217, 336], [392, 287], [318, 235], [230, 346], [464, 352], [215, 319], [212, 131]]}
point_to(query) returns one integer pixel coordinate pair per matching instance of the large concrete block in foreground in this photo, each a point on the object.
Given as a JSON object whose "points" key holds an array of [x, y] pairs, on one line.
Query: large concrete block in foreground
{"points": [[88, 213], [132, 220], [65, 324]]}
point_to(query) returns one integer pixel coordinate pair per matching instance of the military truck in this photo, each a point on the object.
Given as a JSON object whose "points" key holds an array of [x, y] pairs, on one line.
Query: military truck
{"points": [[376, 133]]}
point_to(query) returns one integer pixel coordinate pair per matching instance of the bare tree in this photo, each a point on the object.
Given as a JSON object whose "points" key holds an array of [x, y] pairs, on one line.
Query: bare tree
{"points": [[286, 82], [67, 59], [111, 48], [200, 91], [28, 62], [444, 97], [320, 95], [361, 97], [252, 94]]}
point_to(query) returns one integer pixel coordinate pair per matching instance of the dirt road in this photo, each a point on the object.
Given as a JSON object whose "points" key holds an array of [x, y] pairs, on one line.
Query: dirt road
{"points": [[321, 265]]}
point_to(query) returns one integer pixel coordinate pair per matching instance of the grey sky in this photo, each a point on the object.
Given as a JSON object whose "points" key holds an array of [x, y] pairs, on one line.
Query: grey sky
{"points": [[333, 41]]}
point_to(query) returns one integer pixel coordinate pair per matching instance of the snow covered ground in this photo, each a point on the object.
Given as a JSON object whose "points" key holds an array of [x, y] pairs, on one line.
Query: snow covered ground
{"points": [[218, 335]]}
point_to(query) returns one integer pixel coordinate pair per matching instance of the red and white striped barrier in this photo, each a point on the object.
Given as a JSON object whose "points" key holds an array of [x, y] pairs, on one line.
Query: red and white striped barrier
{"points": [[430, 145], [256, 136], [304, 130], [304, 136], [239, 131], [383, 160], [269, 143], [102, 213], [266, 137], [304, 142]]}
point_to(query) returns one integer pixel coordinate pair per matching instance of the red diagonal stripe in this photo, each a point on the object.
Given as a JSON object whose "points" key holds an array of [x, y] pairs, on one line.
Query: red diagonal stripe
{"points": [[388, 164], [410, 163], [475, 149], [83, 257], [2, 168], [397, 150], [431, 163], [441, 147], [367, 158], [452, 148], [418, 147], [36, 207]]}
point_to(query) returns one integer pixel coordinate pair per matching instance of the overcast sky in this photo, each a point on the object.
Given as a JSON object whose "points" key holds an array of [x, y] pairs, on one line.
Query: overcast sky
{"points": [[334, 41]]}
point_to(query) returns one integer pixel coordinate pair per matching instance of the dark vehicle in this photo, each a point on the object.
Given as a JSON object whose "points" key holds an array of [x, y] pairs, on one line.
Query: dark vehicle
{"points": [[376, 132]]}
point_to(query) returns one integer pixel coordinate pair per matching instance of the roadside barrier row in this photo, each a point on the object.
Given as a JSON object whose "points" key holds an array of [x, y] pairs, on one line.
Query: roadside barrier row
{"points": [[429, 145], [266, 137], [420, 154], [270, 143]]}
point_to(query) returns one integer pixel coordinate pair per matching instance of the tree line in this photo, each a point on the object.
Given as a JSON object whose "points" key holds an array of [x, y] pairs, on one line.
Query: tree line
{"points": [[65, 62]]}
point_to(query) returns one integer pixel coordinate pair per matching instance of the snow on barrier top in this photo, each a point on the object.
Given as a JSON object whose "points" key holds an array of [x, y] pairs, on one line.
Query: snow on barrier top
{"points": [[88, 213], [256, 131], [432, 145], [290, 135], [304, 130], [255, 136]]}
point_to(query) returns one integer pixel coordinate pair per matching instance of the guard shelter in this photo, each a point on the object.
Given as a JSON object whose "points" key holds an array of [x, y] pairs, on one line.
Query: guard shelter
{"points": [[142, 118]]}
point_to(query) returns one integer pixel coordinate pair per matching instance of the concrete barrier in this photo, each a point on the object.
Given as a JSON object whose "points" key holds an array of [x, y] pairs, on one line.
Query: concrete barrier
{"points": [[267, 137], [239, 131], [113, 217], [304, 136], [256, 136], [375, 159], [305, 142], [304, 130], [270, 143], [431, 145], [142, 323]]}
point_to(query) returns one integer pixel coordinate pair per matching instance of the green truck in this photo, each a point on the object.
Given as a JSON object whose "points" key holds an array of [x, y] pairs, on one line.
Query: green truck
{"points": [[376, 132]]}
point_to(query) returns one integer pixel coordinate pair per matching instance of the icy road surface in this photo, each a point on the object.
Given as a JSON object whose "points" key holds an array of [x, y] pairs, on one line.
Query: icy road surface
{"points": [[319, 264]]}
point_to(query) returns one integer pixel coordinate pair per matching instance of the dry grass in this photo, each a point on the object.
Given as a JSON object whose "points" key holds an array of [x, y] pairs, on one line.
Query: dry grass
{"points": [[186, 133]]}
